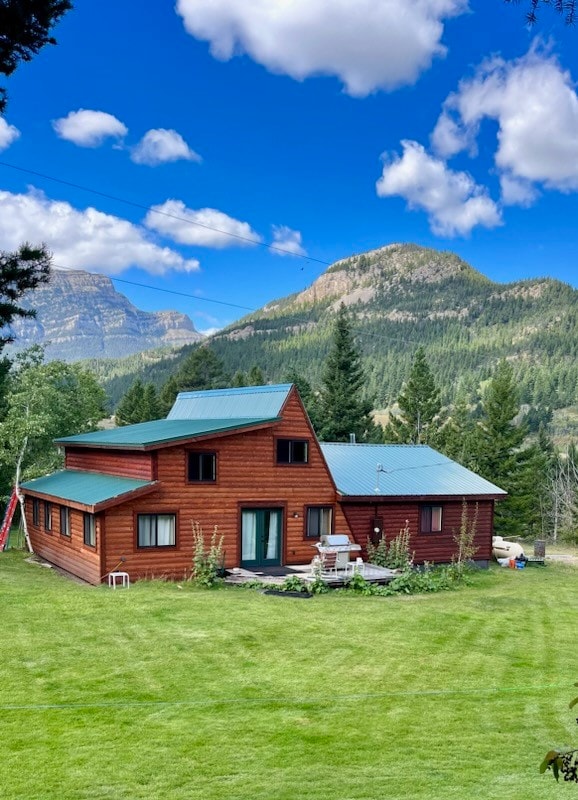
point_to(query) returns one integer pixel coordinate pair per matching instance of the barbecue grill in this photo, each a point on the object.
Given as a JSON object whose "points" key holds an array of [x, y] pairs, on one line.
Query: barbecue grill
{"points": [[338, 543]]}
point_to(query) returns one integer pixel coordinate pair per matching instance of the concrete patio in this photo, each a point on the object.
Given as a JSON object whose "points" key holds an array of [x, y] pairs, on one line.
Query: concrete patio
{"points": [[275, 576]]}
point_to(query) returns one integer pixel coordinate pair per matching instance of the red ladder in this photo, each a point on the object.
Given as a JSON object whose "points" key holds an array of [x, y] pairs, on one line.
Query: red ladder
{"points": [[7, 522]]}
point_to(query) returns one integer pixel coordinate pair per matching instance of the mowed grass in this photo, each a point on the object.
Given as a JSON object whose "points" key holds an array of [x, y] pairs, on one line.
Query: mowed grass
{"points": [[168, 692]]}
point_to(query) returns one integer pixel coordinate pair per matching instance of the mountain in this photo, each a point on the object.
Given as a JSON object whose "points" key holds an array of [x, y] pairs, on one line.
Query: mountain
{"points": [[80, 315], [402, 296]]}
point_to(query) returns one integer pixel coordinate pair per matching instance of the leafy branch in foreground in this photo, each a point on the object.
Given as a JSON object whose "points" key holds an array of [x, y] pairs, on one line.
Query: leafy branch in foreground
{"points": [[563, 761]]}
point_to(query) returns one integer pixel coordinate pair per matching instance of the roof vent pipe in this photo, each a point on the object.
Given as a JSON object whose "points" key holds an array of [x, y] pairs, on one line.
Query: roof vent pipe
{"points": [[351, 438]]}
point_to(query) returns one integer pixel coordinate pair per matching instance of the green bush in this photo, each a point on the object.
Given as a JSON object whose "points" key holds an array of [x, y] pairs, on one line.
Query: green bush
{"points": [[208, 561]]}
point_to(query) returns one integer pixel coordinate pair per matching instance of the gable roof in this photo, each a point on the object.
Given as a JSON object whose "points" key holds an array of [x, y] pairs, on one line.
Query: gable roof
{"points": [[397, 470], [92, 490], [241, 403], [159, 432]]}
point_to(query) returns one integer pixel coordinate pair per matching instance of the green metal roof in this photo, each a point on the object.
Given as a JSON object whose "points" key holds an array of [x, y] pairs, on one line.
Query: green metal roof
{"points": [[394, 470], [243, 402], [85, 488], [161, 431]]}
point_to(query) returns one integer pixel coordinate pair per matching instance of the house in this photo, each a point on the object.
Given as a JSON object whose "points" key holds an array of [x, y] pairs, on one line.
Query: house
{"points": [[247, 461], [383, 487]]}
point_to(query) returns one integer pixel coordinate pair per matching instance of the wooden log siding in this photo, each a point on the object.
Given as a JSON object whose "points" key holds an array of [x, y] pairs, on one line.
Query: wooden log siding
{"points": [[432, 547], [69, 553], [124, 463], [247, 475]]}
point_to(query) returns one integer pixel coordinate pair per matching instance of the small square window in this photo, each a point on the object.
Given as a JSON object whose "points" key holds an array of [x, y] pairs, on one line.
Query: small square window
{"points": [[292, 451], [431, 519], [319, 521], [202, 467]]}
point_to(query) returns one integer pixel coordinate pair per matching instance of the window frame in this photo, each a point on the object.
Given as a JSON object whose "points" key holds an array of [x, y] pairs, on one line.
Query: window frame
{"points": [[36, 512], [173, 545], [320, 509], [89, 527], [47, 516], [426, 518], [65, 529], [291, 443], [200, 455]]}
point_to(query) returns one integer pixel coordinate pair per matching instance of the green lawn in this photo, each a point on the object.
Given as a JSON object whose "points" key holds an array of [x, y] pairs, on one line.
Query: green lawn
{"points": [[167, 692]]}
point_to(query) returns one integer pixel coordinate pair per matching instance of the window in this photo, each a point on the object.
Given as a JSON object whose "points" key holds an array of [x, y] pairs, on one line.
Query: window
{"points": [[431, 519], [36, 511], [47, 516], [202, 467], [64, 521], [156, 530], [89, 528], [319, 521], [292, 451]]}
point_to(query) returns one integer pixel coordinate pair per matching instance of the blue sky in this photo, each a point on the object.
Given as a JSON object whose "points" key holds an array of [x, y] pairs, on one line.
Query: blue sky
{"points": [[324, 128]]}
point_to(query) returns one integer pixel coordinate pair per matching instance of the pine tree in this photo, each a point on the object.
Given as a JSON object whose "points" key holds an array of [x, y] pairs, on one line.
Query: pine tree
{"points": [[151, 404], [344, 411], [309, 398], [130, 408], [499, 455], [256, 377], [202, 369], [239, 379], [458, 437], [167, 396], [419, 403]]}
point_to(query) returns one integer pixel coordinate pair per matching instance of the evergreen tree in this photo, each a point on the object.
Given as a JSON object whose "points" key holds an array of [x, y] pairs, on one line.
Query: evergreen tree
{"points": [[499, 456], [151, 404], [255, 377], [344, 411], [202, 369], [419, 403], [167, 396], [309, 398], [20, 272], [130, 408], [458, 439], [239, 379]]}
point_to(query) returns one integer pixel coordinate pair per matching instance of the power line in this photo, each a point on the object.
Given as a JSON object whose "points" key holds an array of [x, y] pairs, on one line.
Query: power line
{"points": [[152, 210]]}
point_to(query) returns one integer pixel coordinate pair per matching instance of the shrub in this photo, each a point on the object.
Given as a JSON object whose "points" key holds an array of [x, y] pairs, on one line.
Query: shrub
{"points": [[395, 555], [208, 560]]}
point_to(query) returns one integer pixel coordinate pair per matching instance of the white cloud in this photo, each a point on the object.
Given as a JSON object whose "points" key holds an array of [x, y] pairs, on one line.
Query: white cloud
{"points": [[454, 202], [8, 134], [85, 239], [206, 227], [88, 128], [535, 105], [368, 44], [160, 145], [288, 241]]}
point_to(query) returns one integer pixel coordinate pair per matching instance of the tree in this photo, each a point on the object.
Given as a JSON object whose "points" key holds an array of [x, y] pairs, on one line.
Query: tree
{"points": [[44, 402], [202, 369], [139, 404], [420, 406], [20, 272], [459, 434], [25, 27], [167, 396], [343, 409], [309, 398], [256, 377], [565, 7]]}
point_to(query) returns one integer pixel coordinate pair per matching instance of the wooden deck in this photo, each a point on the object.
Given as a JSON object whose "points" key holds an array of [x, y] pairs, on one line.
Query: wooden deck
{"points": [[277, 575]]}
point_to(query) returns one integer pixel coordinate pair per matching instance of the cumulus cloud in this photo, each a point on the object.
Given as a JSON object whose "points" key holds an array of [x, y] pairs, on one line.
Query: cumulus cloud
{"points": [[535, 105], [159, 146], [288, 241], [8, 134], [88, 128], [453, 201], [85, 239], [369, 45], [206, 227]]}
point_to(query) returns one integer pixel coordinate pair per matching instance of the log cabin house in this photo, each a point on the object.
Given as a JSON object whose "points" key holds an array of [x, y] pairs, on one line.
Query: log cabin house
{"points": [[248, 462]]}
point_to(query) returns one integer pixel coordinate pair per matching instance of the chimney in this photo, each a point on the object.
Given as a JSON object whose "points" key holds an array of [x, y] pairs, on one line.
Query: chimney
{"points": [[351, 438]]}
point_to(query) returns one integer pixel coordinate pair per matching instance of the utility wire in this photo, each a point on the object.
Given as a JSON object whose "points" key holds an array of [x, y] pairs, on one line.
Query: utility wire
{"points": [[152, 210]]}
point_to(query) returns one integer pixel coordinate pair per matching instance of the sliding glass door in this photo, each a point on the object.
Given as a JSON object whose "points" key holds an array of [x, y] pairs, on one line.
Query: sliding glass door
{"points": [[261, 537]]}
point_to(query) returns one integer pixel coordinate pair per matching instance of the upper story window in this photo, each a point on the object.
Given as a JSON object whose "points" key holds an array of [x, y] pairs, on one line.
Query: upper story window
{"points": [[47, 516], [292, 451], [431, 519], [64, 521], [319, 521], [202, 467], [89, 530], [156, 530]]}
